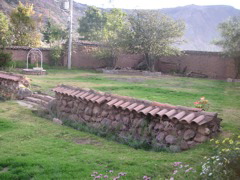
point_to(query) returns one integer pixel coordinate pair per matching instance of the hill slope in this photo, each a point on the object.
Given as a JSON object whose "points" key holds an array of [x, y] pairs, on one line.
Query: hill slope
{"points": [[201, 21]]}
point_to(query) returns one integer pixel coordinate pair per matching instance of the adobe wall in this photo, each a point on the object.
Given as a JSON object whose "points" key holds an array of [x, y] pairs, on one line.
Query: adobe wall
{"points": [[19, 53], [211, 64], [158, 125]]}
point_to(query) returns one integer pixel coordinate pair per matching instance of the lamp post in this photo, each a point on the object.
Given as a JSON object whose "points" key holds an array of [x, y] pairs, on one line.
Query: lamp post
{"points": [[70, 34]]}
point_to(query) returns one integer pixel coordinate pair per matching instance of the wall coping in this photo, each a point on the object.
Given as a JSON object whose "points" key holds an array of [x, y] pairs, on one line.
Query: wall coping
{"points": [[182, 114]]}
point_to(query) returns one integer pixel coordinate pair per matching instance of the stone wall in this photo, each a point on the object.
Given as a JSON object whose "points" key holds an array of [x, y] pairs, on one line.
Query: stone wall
{"points": [[13, 86], [159, 125], [19, 53]]}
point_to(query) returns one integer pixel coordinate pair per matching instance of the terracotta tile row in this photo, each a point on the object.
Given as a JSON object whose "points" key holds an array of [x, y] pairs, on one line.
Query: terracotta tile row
{"points": [[12, 77], [163, 111]]}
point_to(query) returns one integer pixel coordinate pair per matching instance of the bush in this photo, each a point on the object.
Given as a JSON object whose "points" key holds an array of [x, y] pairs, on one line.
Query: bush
{"points": [[5, 59], [224, 164], [55, 56]]}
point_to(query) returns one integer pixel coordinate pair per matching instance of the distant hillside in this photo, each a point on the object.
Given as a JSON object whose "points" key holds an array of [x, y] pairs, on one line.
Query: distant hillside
{"points": [[201, 21], [201, 24]]}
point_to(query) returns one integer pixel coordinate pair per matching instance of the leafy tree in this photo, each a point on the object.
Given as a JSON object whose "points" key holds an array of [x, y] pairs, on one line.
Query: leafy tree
{"points": [[103, 27], [152, 34], [91, 25], [4, 30], [230, 39], [25, 26], [54, 34]]}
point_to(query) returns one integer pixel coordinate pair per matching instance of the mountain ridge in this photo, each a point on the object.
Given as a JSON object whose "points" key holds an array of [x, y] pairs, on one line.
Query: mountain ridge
{"points": [[201, 21]]}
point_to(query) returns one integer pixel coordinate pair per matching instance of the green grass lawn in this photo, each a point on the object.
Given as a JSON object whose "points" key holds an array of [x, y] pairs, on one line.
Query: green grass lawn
{"points": [[34, 148]]}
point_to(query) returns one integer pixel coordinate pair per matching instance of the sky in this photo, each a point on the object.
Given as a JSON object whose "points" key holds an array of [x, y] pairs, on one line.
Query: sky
{"points": [[156, 4]]}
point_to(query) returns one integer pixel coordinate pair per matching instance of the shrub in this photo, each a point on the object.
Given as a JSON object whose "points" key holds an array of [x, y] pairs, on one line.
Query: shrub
{"points": [[202, 103], [55, 56], [224, 164], [5, 59]]}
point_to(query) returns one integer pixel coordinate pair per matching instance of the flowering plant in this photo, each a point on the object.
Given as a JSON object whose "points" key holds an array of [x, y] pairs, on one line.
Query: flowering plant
{"points": [[225, 163], [182, 171], [202, 103]]}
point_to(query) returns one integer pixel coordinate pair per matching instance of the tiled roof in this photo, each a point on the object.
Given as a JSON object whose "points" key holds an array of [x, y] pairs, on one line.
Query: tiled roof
{"points": [[11, 76], [175, 113], [25, 48]]}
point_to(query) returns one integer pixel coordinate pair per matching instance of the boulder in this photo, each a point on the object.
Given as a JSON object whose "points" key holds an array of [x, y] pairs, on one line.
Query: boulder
{"points": [[200, 138], [184, 145], [170, 139], [160, 137], [189, 134], [23, 92], [204, 130], [57, 121]]}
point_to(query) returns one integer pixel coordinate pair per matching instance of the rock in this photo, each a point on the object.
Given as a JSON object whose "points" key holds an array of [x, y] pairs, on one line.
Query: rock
{"points": [[203, 130], [126, 120], [104, 113], [23, 92], [184, 145], [86, 117], [189, 134], [200, 138], [160, 137], [170, 139], [96, 110], [57, 121], [159, 126], [191, 144], [229, 80], [88, 111], [175, 148], [118, 117]]}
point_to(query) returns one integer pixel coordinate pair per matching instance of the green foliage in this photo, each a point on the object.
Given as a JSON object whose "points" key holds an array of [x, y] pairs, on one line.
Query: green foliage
{"points": [[152, 34], [104, 27], [24, 26], [230, 39], [92, 24], [55, 56], [5, 59], [224, 163], [53, 33], [4, 31]]}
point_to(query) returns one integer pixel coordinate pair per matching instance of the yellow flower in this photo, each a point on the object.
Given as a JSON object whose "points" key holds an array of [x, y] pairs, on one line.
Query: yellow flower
{"points": [[239, 136], [237, 148], [211, 140], [217, 142], [238, 143], [230, 141]]}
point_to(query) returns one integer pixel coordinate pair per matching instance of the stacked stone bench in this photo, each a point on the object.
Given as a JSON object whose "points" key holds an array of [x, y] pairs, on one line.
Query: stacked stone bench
{"points": [[161, 125]]}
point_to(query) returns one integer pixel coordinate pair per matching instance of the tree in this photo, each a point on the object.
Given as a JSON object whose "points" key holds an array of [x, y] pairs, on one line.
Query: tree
{"points": [[152, 34], [54, 34], [230, 39], [91, 24], [24, 26], [4, 31], [103, 27]]}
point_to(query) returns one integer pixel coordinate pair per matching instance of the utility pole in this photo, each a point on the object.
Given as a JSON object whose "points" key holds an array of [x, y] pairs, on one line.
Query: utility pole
{"points": [[70, 34]]}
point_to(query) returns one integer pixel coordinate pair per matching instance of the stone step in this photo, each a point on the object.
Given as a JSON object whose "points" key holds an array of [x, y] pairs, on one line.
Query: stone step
{"points": [[43, 97], [37, 101]]}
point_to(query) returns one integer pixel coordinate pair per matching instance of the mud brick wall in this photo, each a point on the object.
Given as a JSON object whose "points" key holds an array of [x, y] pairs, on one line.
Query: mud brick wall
{"points": [[12, 85], [160, 125]]}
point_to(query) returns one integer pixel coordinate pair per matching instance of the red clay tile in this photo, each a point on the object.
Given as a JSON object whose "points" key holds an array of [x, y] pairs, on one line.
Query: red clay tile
{"points": [[130, 107], [162, 112], [117, 104], [188, 118], [139, 107], [89, 96], [101, 99], [124, 105], [112, 102], [146, 110], [154, 111]]}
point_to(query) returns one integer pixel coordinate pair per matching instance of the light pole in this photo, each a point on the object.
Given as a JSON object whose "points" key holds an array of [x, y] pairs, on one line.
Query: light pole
{"points": [[70, 35]]}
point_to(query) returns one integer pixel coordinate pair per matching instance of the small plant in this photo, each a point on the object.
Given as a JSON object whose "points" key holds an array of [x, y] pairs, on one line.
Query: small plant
{"points": [[5, 59], [202, 103], [182, 171], [224, 164], [55, 56]]}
